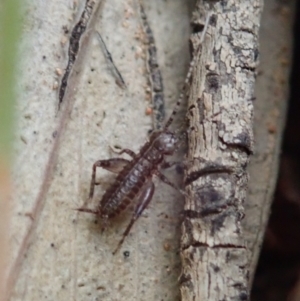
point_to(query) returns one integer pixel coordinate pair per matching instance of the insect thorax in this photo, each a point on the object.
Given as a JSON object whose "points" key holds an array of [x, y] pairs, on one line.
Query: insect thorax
{"points": [[164, 141]]}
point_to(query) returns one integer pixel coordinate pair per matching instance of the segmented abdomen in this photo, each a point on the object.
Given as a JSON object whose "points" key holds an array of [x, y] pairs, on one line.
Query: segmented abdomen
{"points": [[129, 183]]}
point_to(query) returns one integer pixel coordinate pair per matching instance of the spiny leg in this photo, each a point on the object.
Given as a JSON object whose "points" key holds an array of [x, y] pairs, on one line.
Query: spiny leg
{"points": [[144, 199], [114, 165], [168, 182], [124, 150]]}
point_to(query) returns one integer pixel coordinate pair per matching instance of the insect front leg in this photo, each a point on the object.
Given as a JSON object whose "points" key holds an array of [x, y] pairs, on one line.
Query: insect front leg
{"points": [[125, 151], [143, 199]]}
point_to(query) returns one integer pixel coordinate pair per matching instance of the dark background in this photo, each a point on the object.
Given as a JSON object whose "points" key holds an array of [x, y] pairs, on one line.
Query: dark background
{"points": [[278, 273]]}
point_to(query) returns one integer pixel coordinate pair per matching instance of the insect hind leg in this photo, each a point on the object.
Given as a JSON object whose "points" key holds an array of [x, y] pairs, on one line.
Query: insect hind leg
{"points": [[144, 199]]}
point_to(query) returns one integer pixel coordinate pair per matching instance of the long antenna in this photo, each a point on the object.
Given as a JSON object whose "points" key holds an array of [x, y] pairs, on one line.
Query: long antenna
{"points": [[188, 77]]}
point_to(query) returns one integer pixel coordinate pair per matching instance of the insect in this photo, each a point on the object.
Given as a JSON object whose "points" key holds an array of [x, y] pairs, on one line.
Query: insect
{"points": [[134, 181]]}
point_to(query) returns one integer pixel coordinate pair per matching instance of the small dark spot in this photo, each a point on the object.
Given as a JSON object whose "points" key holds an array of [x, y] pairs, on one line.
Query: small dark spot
{"points": [[243, 296], [92, 69], [197, 27], [126, 254], [212, 82], [237, 50], [256, 54], [240, 215], [54, 134], [184, 278], [213, 20], [218, 222], [34, 132], [100, 288], [211, 195], [117, 147], [65, 29], [179, 168], [63, 286], [44, 57], [89, 82], [216, 268], [52, 245], [190, 112]]}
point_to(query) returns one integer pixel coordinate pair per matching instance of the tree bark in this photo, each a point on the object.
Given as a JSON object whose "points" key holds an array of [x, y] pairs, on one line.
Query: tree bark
{"points": [[207, 273], [220, 110]]}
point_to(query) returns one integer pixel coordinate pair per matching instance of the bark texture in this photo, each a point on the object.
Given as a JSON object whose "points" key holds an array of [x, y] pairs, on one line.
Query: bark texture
{"points": [[220, 110]]}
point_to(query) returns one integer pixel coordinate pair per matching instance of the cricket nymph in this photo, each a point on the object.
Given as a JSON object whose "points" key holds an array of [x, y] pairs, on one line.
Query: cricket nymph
{"points": [[134, 180]]}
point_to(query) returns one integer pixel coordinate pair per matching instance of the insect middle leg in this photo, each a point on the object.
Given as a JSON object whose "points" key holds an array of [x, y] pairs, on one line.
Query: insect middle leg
{"points": [[114, 165], [143, 199]]}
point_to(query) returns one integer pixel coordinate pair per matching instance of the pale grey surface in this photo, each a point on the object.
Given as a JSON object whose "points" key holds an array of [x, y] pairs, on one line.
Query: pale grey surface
{"points": [[272, 94], [67, 257]]}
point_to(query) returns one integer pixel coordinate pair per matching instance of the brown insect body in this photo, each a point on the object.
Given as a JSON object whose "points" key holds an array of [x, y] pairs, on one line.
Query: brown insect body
{"points": [[136, 173], [134, 180]]}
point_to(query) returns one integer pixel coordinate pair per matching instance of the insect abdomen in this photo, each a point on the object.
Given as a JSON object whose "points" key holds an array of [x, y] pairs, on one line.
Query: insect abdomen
{"points": [[126, 187]]}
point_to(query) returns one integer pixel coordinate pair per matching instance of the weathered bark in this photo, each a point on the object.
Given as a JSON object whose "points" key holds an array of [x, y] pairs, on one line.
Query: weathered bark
{"points": [[220, 109]]}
